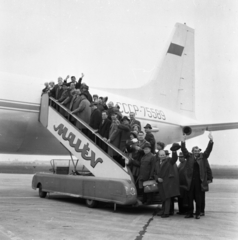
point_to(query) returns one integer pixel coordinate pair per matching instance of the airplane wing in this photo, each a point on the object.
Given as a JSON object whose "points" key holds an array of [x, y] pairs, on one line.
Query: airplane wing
{"points": [[188, 129]]}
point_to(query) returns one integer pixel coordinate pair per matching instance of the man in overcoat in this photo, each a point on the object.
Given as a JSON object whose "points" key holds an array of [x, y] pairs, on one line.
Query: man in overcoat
{"points": [[146, 170], [103, 130], [196, 175], [95, 119], [167, 179], [183, 186], [124, 129]]}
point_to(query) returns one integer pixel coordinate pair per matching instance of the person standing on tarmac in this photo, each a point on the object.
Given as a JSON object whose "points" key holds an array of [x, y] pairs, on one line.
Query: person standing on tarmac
{"points": [[146, 165], [196, 175], [167, 178], [183, 198]]}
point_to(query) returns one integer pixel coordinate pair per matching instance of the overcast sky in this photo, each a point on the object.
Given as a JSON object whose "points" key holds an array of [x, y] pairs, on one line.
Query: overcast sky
{"points": [[118, 43]]}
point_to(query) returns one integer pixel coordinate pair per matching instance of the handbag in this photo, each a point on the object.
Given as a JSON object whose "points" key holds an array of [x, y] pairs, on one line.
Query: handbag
{"points": [[150, 186]]}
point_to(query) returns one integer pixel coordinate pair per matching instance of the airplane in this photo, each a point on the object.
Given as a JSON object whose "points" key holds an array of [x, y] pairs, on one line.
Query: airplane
{"points": [[166, 102]]}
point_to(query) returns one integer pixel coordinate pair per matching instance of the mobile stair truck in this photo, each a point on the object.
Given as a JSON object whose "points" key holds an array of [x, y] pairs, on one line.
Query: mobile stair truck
{"points": [[108, 181]]}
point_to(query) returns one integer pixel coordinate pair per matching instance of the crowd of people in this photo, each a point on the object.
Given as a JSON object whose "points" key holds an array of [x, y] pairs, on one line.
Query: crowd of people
{"points": [[149, 164]]}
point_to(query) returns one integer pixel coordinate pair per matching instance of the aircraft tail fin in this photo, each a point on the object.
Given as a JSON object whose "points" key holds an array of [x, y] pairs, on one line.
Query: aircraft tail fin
{"points": [[172, 85]]}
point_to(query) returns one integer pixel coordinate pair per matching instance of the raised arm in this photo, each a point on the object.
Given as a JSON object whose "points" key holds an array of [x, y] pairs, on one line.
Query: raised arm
{"points": [[208, 150], [184, 149], [174, 158]]}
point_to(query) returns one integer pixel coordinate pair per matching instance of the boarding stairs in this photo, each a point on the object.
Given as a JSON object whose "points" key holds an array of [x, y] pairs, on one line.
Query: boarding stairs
{"points": [[97, 161]]}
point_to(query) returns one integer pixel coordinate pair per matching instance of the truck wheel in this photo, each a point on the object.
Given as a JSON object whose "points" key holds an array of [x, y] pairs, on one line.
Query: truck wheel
{"points": [[91, 203], [42, 194]]}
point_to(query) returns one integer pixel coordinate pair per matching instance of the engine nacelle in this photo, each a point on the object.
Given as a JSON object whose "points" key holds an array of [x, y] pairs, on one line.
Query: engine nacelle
{"points": [[187, 130]]}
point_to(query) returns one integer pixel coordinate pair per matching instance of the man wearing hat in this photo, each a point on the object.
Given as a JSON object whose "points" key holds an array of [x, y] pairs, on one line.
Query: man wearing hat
{"points": [[167, 178], [196, 175], [103, 130], [165, 175], [146, 169], [124, 129], [176, 176], [183, 186], [149, 137]]}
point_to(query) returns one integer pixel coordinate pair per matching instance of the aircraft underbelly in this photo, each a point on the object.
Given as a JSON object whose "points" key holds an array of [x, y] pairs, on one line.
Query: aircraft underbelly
{"points": [[20, 132]]}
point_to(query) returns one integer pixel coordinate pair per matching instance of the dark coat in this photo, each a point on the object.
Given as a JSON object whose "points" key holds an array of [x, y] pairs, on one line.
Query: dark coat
{"points": [[78, 84], [95, 119], [115, 138], [58, 92], [170, 185], [53, 91], [105, 128], [135, 159], [183, 183], [202, 162], [149, 137], [124, 130], [100, 107], [146, 165], [88, 96], [209, 173], [104, 132]]}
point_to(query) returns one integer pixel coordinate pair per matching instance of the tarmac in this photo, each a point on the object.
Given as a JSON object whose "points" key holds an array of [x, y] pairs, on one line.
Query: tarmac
{"points": [[25, 216]]}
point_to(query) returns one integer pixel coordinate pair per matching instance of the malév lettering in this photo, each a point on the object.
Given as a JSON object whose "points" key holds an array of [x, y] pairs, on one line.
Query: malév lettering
{"points": [[62, 130]]}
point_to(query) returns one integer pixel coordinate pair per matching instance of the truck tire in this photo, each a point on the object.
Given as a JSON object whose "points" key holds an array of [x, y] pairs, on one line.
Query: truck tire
{"points": [[91, 203], [42, 194]]}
